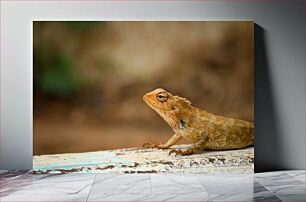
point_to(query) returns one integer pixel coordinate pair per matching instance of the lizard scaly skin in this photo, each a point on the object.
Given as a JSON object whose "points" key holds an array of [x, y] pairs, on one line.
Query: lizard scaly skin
{"points": [[205, 130]]}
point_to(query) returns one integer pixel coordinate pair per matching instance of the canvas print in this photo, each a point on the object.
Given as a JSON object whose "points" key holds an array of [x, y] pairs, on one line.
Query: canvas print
{"points": [[143, 97]]}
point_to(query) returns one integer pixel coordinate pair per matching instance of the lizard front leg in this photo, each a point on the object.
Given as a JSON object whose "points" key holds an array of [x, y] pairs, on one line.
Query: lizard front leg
{"points": [[196, 147], [174, 139]]}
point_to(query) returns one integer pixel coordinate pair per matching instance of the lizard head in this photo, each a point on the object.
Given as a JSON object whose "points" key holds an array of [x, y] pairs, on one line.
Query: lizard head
{"points": [[168, 106]]}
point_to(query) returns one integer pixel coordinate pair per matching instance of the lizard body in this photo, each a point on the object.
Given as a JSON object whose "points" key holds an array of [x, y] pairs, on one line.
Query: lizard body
{"points": [[205, 130]]}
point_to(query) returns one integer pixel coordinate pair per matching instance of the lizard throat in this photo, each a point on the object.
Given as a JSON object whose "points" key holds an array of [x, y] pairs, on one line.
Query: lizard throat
{"points": [[168, 117]]}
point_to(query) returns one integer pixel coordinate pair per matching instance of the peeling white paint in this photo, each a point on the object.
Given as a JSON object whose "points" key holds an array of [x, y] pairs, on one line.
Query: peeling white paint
{"points": [[144, 160]]}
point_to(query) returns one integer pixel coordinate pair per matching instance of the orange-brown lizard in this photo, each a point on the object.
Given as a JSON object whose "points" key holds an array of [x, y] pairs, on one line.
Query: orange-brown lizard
{"points": [[204, 129]]}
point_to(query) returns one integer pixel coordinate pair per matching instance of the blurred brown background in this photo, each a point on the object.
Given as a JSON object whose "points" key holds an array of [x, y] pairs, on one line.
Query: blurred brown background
{"points": [[89, 79]]}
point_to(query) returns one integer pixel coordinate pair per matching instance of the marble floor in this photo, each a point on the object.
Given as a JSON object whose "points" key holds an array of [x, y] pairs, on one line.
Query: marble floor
{"points": [[270, 186]]}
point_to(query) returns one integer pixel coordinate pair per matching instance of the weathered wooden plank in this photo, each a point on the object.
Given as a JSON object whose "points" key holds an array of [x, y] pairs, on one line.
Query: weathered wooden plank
{"points": [[143, 160]]}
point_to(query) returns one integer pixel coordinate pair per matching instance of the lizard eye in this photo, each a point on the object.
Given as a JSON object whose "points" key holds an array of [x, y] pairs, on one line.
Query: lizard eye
{"points": [[162, 97]]}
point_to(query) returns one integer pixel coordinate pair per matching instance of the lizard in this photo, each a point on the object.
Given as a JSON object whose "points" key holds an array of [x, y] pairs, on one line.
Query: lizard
{"points": [[205, 130]]}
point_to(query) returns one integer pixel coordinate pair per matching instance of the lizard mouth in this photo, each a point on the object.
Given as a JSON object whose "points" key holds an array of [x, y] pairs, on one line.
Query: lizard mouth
{"points": [[150, 102]]}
